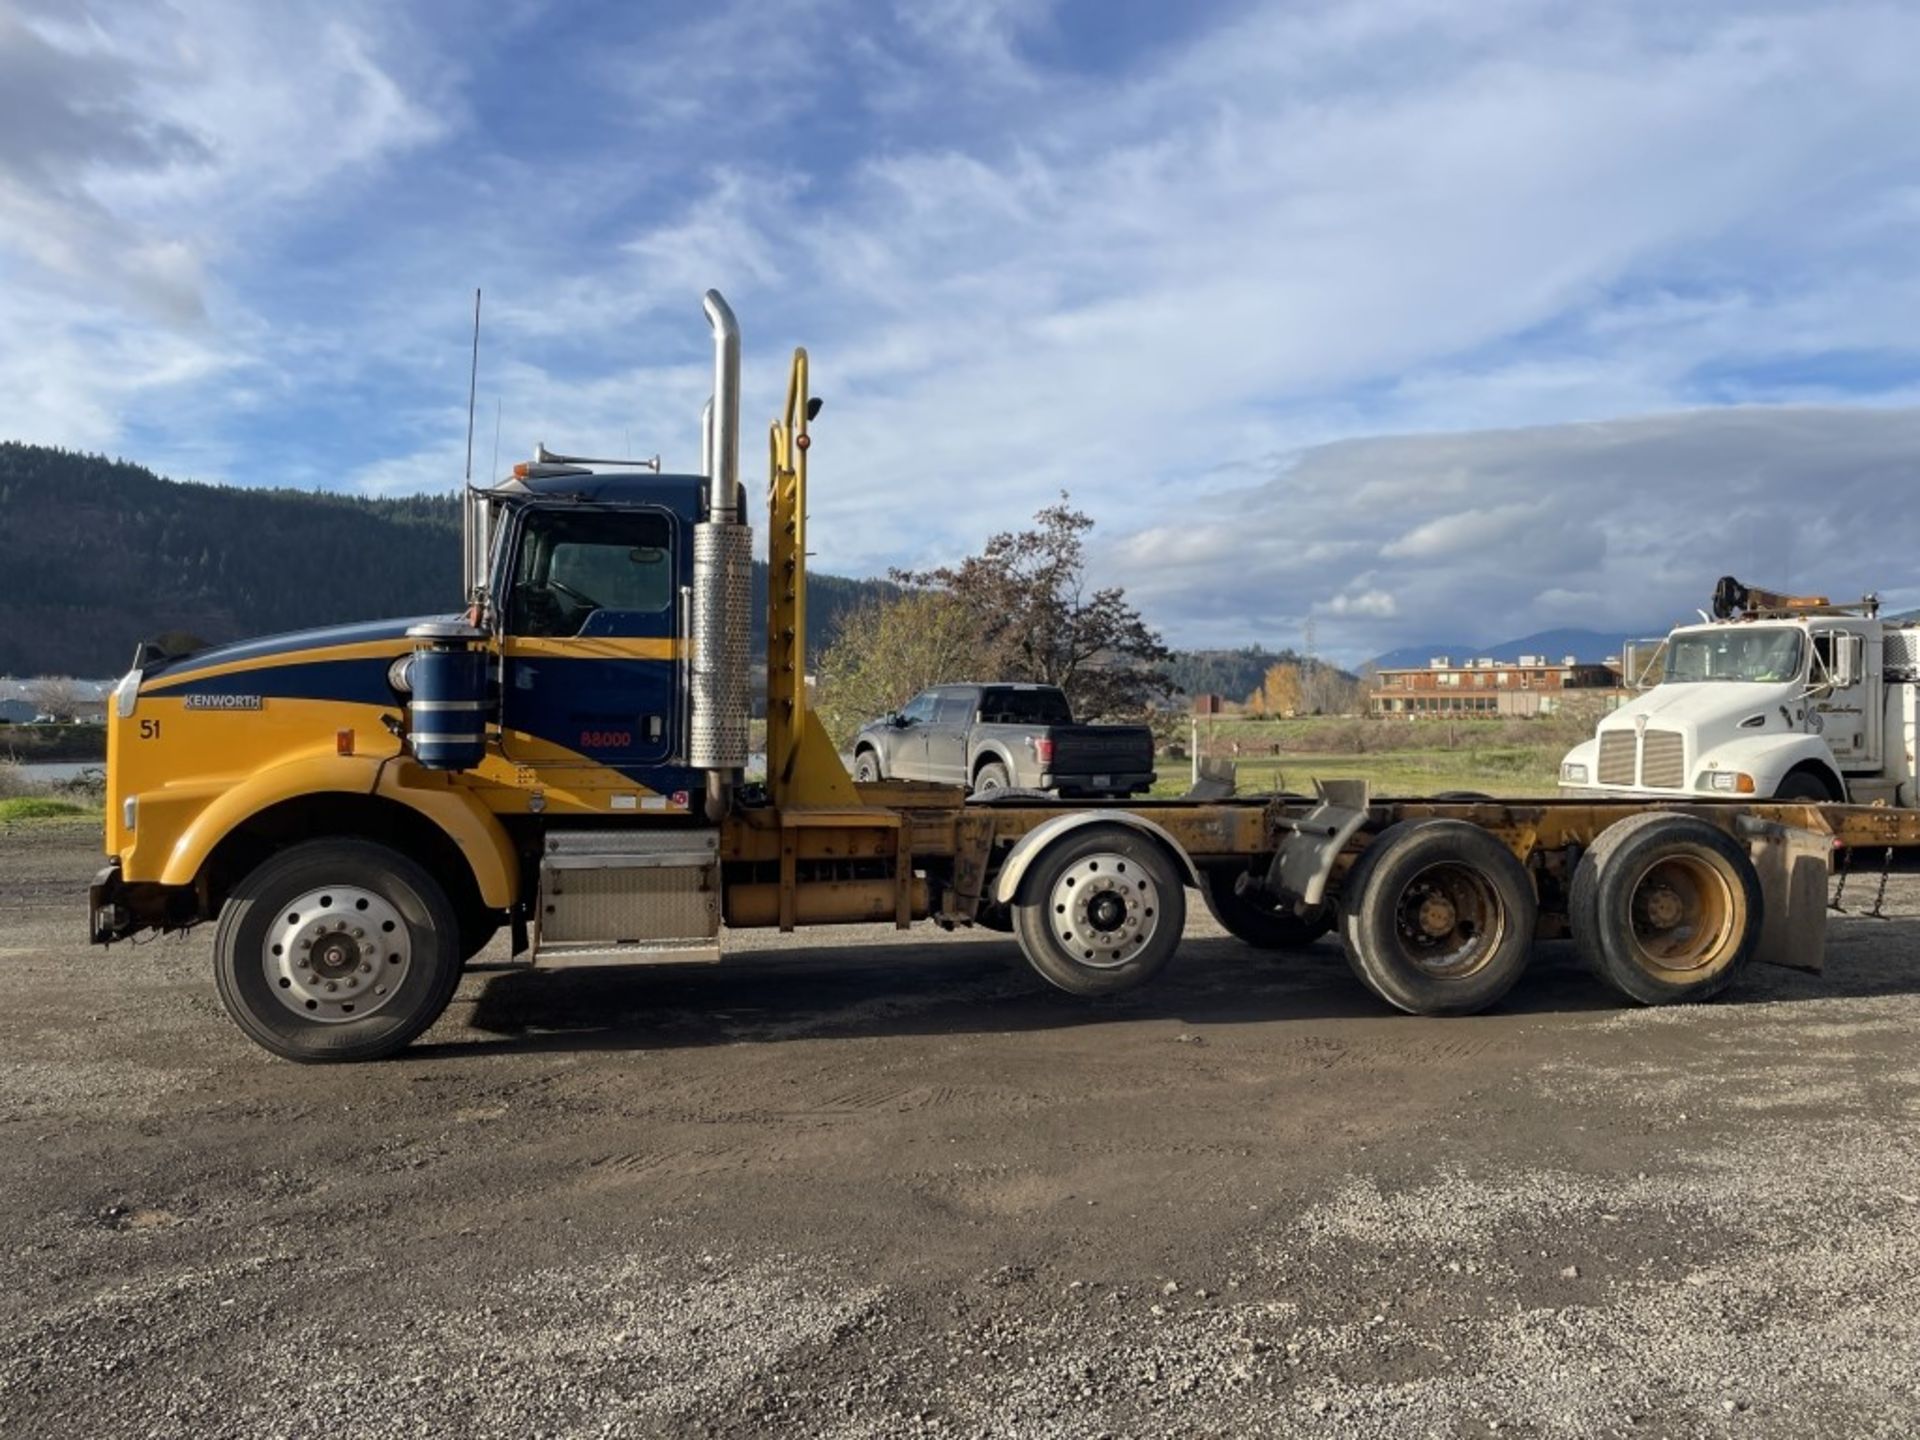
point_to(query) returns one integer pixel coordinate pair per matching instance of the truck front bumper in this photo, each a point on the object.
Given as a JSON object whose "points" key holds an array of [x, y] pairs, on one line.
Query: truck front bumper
{"points": [[119, 910], [109, 913]]}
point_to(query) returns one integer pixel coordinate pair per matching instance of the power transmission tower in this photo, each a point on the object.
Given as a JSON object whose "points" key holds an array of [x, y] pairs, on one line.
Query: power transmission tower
{"points": [[1310, 671]]}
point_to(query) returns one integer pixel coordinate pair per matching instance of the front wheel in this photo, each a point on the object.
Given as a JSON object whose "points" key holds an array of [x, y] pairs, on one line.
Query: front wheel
{"points": [[336, 950], [1804, 785], [866, 767], [1101, 911]]}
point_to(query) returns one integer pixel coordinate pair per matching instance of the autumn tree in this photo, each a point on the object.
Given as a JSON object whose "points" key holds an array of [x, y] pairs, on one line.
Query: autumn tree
{"points": [[1282, 691], [889, 650], [1035, 617]]}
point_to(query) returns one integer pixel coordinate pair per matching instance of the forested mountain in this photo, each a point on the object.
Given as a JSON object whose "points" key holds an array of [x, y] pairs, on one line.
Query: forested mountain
{"points": [[98, 554], [1234, 674]]}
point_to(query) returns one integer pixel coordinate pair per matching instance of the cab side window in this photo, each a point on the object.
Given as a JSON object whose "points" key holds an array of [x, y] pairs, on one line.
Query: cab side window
{"points": [[919, 709], [954, 710], [576, 573]]}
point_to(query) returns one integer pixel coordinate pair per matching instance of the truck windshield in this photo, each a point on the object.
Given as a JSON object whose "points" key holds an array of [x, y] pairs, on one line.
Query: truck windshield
{"points": [[1747, 652], [1024, 707]]}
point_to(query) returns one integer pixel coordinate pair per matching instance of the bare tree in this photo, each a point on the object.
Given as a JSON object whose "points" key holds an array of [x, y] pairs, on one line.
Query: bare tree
{"points": [[57, 696], [1035, 619]]}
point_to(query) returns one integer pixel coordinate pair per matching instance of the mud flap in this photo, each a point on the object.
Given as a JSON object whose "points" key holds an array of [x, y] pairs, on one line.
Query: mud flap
{"points": [[1304, 862], [1793, 866]]}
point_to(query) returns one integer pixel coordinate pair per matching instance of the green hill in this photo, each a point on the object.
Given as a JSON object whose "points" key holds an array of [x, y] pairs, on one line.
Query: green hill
{"points": [[97, 555]]}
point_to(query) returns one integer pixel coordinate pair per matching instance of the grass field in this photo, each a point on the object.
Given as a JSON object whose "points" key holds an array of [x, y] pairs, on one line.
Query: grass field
{"points": [[1496, 757], [40, 807]]}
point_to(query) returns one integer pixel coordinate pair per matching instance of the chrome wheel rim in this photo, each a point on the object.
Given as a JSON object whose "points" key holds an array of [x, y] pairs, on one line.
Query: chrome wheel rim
{"points": [[336, 954], [1104, 909]]}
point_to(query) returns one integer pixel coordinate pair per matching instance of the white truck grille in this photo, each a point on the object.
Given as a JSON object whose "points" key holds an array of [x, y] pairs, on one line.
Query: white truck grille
{"points": [[1658, 761], [1616, 758], [1663, 760]]}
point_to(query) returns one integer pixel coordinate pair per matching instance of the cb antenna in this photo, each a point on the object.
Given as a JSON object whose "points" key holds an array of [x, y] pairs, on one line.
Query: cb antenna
{"points": [[473, 381]]}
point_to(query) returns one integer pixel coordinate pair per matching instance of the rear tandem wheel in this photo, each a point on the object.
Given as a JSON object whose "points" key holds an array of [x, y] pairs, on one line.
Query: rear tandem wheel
{"points": [[1437, 917], [1666, 907], [1250, 916]]}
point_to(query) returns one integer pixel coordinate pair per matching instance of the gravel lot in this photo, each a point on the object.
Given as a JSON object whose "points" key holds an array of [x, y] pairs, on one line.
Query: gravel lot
{"points": [[856, 1183]]}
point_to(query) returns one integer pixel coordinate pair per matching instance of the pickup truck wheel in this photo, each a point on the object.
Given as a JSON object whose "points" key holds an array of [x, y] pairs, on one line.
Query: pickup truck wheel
{"points": [[993, 777], [1102, 911], [866, 767], [1261, 923], [1437, 917], [336, 950], [1665, 907]]}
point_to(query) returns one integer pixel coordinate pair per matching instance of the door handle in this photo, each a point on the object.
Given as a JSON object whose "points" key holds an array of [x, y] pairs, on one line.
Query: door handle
{"points": [[654, 726]]}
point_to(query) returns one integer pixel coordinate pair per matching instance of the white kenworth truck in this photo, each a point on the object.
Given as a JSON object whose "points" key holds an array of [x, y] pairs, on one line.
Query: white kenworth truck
{"points": [[1783, 696]]}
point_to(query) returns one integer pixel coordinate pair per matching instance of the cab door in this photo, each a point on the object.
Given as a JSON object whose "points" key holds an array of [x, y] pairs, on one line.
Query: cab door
{"points": [[1845, 695], [589, 648], [947, 734]]}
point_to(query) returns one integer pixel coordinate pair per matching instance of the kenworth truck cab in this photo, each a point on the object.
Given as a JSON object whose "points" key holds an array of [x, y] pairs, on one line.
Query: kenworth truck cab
{"points": [[1790, 697]]}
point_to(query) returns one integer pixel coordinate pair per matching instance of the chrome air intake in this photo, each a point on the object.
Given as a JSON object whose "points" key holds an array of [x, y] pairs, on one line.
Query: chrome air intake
{"points": [[722, 598]]}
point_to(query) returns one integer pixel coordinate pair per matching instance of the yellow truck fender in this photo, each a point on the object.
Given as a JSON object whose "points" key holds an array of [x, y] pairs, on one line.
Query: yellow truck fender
{"points": [[1028, 849], [470, 825]]}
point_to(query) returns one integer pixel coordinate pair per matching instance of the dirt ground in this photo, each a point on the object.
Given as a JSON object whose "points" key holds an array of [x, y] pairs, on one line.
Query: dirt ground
{"points": [[861, 1183]]}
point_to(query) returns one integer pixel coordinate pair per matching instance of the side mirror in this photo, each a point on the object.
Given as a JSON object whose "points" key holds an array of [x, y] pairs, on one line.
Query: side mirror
{"points": [[1849, 660]]}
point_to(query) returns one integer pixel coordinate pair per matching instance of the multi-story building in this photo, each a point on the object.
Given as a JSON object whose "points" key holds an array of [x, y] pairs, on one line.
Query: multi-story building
{"points": [[1530, 685]]}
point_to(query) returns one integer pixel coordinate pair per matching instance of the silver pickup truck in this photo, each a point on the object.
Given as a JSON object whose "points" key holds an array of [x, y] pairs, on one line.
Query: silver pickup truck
{"points": [[1004, 737]]}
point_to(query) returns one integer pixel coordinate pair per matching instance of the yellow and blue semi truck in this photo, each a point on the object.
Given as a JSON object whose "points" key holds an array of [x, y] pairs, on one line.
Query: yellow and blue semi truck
{"points": [[360, 810]]}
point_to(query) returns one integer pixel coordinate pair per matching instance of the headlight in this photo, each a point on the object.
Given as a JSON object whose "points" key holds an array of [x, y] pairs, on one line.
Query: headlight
{"points": [[1573, 773], [1726, 782]]}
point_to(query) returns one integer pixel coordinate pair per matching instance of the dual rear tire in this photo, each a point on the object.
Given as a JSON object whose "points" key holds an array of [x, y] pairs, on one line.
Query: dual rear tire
{"points": [[1437, 917], [1666, 908]]}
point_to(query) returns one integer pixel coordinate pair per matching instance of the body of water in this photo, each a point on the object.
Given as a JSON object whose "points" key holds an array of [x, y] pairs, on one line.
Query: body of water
{"points": [[52, 772]]}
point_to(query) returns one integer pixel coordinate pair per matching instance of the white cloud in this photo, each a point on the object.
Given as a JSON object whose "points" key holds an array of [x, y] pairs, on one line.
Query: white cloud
{"points": [[1626, 526], [143, 149], [1218, 260]]}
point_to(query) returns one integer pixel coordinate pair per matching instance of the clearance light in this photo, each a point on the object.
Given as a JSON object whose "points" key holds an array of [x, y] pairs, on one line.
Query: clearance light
{"points": [[343, 742]]}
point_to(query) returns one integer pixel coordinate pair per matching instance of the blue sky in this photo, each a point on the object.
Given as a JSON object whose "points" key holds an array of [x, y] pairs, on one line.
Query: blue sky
{"points": [[1426, 320]]}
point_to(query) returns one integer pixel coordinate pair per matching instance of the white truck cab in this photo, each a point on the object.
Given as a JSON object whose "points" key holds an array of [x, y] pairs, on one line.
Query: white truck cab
{"points": [[1781, 696]]}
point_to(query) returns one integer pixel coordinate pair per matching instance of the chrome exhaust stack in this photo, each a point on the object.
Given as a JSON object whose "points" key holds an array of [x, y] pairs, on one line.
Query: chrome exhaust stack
{"points": [[722, 583]]}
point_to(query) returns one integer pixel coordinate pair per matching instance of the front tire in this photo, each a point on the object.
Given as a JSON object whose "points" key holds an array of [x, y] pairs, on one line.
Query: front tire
{"points": [[866, 767], [1102, 911], [336, 950], [1804, 785]]}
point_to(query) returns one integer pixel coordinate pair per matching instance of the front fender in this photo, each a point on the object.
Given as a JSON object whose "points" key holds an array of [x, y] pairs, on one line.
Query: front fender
{"points": [[1768, 758], [997, 751], [470, 825], [1006, 885]]}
